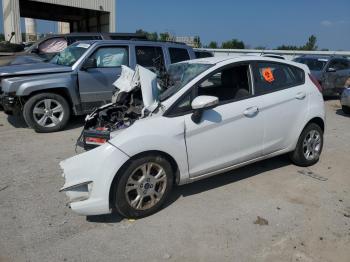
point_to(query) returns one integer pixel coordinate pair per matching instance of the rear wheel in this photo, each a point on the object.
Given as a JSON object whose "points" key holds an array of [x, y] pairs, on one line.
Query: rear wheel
{"points": [[309, 146], [143, 186], [46, 112], [346, 109]]}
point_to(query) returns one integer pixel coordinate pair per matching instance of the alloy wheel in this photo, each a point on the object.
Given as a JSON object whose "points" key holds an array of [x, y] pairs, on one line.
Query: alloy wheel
{"points": [[312, 145], [146, 186], [48, 112]]}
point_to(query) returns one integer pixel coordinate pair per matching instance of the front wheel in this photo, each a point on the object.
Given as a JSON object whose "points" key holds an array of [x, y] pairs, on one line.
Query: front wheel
{"points": [[143, 186], [309, 146], [46, 112]]}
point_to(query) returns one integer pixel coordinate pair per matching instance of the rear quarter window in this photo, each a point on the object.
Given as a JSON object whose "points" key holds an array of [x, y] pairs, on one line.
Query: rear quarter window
{"points": [[178, 55], [271, 77]]}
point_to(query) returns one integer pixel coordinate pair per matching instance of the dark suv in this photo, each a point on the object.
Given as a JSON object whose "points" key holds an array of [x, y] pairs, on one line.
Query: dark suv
{"points": [[47, 47], [331, 72]]}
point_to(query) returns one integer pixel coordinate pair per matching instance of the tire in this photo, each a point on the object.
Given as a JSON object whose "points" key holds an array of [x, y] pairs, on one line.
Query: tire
{"points": [[135, 181], [346, 109], [53, 107], [310, 140]]}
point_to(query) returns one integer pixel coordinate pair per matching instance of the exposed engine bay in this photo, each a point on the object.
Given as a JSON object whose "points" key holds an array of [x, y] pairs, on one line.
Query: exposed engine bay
{"points": [[136, 97]]}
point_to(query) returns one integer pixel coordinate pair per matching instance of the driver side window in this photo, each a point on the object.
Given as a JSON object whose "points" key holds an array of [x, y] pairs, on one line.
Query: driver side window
{"points": [[111, 57]]}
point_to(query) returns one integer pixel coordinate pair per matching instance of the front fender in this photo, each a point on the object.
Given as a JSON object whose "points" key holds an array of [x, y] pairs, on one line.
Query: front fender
{"points": [[25, 85], [156, 134]]}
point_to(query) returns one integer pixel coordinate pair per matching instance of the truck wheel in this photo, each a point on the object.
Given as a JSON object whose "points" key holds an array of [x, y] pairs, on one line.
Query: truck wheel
{"points": [[309, 146], [143, 186], [46, 112]]}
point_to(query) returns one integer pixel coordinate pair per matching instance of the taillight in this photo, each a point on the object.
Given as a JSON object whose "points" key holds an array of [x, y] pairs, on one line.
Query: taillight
{"points": [[316, 83]]}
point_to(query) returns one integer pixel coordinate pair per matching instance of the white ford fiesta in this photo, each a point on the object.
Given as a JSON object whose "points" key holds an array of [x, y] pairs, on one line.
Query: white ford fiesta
{"points": [[217, 114]]}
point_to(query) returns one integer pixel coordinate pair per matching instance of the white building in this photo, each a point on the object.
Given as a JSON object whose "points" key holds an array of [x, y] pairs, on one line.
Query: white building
{"points": [[82, 15]]}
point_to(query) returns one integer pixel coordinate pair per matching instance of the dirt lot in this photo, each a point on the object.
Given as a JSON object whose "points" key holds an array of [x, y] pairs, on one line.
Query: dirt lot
{"points": [[304, 213]]}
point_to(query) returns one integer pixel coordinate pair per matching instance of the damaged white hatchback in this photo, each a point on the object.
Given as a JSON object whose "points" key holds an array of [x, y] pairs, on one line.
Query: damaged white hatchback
{"points": [[205, 117]]}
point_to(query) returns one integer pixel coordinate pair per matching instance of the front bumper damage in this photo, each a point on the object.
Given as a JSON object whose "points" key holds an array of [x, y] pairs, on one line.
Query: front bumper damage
{"points": [[88, 179]]}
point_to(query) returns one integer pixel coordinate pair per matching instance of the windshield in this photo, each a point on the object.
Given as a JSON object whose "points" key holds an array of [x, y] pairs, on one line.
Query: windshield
{"points": [[70, 55], [314, 64], [179, 75]]}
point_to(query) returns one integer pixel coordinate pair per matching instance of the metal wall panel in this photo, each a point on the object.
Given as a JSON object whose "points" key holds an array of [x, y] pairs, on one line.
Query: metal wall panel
{"points": [[107, 5]]}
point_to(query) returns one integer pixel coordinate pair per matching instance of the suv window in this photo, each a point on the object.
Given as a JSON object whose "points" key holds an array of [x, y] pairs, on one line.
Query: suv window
{"points": [[228, 84], [339, 64], [111, 56], [178, 55], [150, 57], [270, 77]]}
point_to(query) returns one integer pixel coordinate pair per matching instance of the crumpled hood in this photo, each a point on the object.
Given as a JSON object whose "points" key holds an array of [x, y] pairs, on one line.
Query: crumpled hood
{"points": [[130, 79], [30, 69]]}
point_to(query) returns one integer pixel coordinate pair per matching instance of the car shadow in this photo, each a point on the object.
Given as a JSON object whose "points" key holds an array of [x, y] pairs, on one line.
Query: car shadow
{"points": [[209, 184], [341, 113], [19, 122]]}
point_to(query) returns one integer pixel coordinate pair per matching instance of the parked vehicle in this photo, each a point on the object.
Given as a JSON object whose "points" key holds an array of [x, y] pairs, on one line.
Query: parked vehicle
{"points": [[345, 98], [46, 48], [217, 114], [79, 79], [203, 53], [330, 71]]}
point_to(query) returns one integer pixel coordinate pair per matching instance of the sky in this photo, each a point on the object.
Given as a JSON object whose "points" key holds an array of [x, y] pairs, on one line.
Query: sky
{"points": [[267, 23]]}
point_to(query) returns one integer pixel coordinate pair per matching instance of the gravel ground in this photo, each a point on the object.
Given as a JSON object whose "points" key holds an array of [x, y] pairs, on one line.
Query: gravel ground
{"points": [[269, 211]]}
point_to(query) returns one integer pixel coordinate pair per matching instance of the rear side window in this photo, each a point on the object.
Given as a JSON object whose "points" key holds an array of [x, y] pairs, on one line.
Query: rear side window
{"points": [[178, 55], [271, 77], [150, 57], [339, 64]]}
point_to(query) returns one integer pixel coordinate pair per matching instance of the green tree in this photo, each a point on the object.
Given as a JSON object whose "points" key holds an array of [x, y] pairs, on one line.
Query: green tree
{"points": [[213, 44], [150, 36], [288, 47], [233, 44], [164, 36], [2, 37], [197, 42], [310, 44]]}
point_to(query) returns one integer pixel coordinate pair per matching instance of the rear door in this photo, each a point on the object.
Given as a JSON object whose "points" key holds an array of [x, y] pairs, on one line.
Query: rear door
{"points": [[151, 57], [96, 84], [285, 97], [338, 78]]}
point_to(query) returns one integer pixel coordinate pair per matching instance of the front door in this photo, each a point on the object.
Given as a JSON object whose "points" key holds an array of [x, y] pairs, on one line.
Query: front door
{"points": [[96, 84], [232, 132]]}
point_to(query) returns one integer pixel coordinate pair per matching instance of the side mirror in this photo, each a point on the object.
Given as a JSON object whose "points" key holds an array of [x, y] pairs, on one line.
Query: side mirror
{"points": [[201, 103], [89, 63], [331, 70]]}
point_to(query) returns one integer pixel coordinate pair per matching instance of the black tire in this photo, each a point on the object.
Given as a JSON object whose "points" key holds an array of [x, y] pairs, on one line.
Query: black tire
{"points": [[122, 199], [32, 119], [346, 110], [298, 155]]}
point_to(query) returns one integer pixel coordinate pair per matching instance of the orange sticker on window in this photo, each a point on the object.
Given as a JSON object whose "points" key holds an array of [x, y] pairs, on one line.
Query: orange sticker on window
{"points": [[268, 75]]}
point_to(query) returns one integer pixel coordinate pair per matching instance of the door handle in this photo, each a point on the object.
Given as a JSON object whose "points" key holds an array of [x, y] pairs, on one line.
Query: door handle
{"points": [[251, 111], [300, 95]]}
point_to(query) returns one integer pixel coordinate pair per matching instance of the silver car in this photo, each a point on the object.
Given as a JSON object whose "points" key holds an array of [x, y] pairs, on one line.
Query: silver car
{"points": [[345, 98]]}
